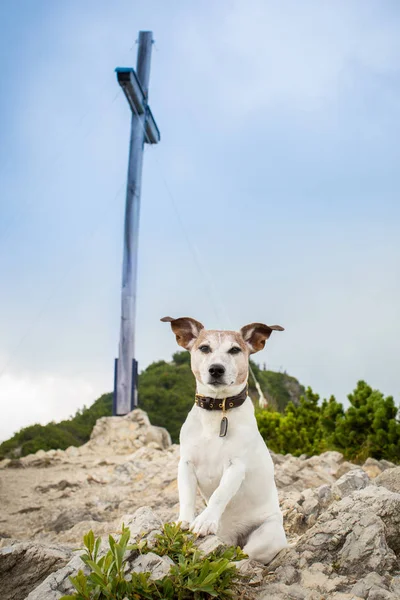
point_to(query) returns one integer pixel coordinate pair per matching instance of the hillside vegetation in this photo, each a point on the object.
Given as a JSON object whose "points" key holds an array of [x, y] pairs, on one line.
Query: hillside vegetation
{"points": [[369, 427], [166, 392], [295, 422]]}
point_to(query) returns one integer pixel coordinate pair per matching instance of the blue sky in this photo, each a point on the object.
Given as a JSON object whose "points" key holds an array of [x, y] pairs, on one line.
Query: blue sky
{"points": [[272, 197]]}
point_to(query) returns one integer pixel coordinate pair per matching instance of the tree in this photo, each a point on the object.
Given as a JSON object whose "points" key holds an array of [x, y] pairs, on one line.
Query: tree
{"points": [[369, 427], [166, 392], [296, 431]]}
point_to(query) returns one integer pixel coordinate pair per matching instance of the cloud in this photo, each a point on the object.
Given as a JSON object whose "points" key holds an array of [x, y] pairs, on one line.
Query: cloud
{"points": [[30, 398]]}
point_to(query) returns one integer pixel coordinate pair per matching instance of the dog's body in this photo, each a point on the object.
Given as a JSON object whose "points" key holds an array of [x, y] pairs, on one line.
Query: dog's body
{"points": [[235, 473]]}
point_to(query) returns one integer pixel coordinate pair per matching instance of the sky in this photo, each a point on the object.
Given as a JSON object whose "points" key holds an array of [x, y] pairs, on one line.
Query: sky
{"points": [[272, 197]]}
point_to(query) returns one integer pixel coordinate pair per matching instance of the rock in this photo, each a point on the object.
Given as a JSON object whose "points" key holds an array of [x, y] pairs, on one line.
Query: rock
{"points": [[317, 577], [293, 515], [252, 571], [158, 566], [57, 584], [24, 565], [390, 479], [301, 510], [293, 473], [142, 522], [395, 586], [38, 460], [371, 581], [59, 486], [278, 458], [355, 479], [352, 538], [68, 518], [287, 574], [344, 467], [386, 464], [76, 533], [210, 544], [280, 591], [14, 463], [72, 451], [158, 437], [372, 467], [125, 434], [358, 535], [380, 594]]}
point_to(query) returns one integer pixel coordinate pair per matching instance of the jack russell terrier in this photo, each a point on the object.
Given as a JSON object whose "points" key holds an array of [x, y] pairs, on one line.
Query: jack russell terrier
{"points": [[222, 451]]}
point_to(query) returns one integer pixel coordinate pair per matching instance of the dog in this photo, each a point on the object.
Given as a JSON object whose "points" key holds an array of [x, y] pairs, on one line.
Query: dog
{"points": [[221, 450]]}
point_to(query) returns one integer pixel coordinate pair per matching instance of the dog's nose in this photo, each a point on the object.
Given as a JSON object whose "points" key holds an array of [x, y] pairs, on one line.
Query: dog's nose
{"points": [[216, 371]]}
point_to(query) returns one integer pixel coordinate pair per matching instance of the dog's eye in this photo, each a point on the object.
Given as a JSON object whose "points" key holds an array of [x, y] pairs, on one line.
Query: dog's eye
{"points": [[205, 349], [235, 350]]}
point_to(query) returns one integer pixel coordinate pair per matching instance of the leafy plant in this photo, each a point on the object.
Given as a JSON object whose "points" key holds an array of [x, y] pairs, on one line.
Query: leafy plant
{"points": [[369, 427], [192, 577]]}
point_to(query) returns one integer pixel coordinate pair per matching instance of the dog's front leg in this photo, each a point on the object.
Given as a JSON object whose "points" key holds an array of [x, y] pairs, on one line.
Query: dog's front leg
{"points": [[208, 521], [187, 486]]}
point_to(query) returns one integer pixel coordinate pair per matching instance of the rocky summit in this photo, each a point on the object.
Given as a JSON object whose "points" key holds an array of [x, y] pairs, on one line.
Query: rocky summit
{"points": [[342, 519]]}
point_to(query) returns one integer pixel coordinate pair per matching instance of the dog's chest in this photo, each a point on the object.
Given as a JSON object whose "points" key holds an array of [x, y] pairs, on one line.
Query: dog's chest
{"points": [[210, 458], [209, 453]]}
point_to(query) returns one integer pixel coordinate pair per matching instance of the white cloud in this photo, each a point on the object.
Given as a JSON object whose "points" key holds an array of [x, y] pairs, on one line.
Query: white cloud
{"points": [[34, 398]]}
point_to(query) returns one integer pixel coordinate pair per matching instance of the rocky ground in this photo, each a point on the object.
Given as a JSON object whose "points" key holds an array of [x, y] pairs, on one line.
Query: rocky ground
{"points": [[342, 520]]}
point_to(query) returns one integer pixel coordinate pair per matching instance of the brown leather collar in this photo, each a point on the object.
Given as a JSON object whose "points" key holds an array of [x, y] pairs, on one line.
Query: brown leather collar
{"points": [[223, 403]]}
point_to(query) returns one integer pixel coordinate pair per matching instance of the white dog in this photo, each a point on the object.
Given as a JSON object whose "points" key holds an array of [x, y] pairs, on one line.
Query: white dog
{"points": [[222, 451]]}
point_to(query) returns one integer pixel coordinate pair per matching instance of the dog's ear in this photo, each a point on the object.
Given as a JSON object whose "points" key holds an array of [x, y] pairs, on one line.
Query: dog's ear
{"points": [[186, 330], [256, 334]]}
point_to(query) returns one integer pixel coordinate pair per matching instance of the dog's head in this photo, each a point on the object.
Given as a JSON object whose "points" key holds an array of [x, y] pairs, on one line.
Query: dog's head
{"points": [[220, 359]]}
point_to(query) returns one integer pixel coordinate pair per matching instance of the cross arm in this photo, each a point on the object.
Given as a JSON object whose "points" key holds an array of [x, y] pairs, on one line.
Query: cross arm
{"points": [[133, 91], [136, 97]]}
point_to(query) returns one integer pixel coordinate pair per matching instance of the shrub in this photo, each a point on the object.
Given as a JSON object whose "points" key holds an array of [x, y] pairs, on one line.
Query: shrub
{"points": [[369, 426], [192, 577]]}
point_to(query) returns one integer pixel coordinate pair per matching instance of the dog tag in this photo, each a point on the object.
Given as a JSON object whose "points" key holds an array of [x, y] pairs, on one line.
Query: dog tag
{"points": [[224, 427]]}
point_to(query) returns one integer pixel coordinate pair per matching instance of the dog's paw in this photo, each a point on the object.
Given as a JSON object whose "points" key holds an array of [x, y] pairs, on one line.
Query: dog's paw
{"points": [[204, 525]]}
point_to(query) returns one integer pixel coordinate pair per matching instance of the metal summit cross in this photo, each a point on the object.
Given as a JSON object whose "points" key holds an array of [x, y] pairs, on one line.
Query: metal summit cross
{"points": [[143, 130]]}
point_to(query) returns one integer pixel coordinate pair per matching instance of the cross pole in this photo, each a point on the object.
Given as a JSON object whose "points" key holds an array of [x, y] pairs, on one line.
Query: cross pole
{"points": [[143, 130]]}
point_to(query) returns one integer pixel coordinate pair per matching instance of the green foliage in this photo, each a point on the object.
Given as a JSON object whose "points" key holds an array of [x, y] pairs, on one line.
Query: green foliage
{"points": [[166, 393], [278, 388], [192, 577], [297, 430], [369, 427]]}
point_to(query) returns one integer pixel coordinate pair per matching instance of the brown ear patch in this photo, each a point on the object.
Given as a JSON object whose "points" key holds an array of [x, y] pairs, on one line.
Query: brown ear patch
{"points": [[256, 334], [185, 329]]}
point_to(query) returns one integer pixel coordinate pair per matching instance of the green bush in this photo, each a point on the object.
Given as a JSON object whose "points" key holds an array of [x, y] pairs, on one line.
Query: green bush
{"points": [[369, 426], [166, 392], [278, 388], [192, 577]]}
